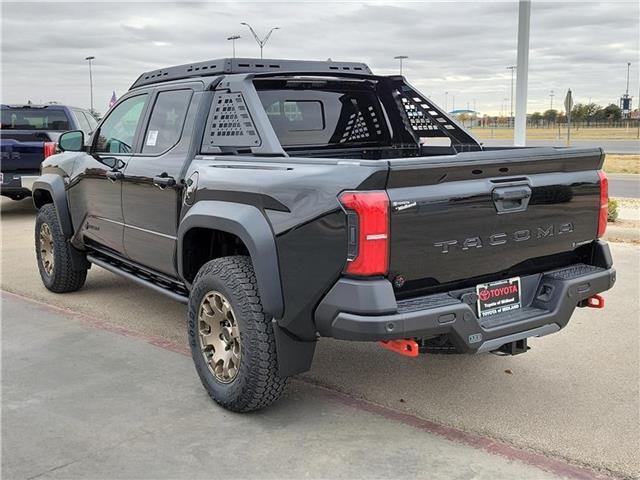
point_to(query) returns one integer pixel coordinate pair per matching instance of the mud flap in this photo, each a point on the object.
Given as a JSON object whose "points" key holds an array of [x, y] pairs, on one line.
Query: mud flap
{"points": [[294, 356]]}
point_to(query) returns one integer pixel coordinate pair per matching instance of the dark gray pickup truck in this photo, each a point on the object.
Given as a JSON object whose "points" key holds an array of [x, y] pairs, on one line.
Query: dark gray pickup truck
{"points": [[286, 201], [28, 135]]}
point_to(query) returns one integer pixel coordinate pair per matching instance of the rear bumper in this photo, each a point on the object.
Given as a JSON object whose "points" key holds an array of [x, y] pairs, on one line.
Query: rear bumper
{"points": [[367, 310], [18, 183]]}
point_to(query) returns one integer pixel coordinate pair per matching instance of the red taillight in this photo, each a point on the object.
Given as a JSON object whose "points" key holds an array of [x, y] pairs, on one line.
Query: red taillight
{"points": [[49, 148], [604, 203], [368, 232]]}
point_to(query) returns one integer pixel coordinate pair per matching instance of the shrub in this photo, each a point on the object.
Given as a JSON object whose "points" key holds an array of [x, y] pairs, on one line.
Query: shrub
{"points": [[612, 215]]}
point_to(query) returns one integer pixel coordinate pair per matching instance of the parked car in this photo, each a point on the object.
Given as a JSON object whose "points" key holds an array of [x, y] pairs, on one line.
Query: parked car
{"points": [[28, 135], [285, 201]]}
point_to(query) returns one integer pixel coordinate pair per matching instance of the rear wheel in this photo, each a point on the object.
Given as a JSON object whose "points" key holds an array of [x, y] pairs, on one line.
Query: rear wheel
{"points": [[53, 254], [232, 340]]}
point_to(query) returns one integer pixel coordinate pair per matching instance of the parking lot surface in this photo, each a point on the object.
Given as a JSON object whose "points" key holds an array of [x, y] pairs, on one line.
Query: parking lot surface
{"points": [[574, 395], [624, 185], [79, 402]]}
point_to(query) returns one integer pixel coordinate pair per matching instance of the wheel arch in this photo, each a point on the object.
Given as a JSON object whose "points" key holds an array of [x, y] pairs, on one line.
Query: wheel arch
{"points": [[250, 225], [50, 188]]}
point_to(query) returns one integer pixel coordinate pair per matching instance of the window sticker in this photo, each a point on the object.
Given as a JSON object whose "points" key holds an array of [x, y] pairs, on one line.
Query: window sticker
{"points": [[152, 138]]}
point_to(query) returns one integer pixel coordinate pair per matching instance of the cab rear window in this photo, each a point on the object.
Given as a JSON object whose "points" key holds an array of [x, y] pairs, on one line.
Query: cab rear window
{"points": [[324, 113], [34, 119]]}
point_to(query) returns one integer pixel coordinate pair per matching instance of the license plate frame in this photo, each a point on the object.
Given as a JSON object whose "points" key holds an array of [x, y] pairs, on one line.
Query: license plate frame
{"points": [[499, 297]]}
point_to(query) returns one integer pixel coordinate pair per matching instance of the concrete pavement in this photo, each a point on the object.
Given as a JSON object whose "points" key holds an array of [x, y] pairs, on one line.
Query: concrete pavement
{"points": [[574, 395], [624, 185], [79, 402]]}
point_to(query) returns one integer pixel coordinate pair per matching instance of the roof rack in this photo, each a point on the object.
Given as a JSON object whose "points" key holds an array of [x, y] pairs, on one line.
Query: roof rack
{"points": [[246, 65]]}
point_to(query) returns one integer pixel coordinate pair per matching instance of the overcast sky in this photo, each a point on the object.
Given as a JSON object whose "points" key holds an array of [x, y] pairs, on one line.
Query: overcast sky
{"points": [[462, 48]]}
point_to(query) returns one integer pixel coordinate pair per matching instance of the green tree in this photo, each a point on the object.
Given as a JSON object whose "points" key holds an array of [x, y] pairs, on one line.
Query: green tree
{"points": [[584, 112], [550, 116], [464, 117], [591, 109], [612, 112], [578, 113], [535, 118]]}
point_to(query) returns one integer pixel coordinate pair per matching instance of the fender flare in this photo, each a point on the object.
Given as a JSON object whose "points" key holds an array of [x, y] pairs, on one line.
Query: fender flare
{"points": [[250, 225], [54, 185]]}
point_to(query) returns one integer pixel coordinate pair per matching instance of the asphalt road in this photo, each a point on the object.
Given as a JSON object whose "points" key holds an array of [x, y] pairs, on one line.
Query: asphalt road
{"points": [[574, 395], [624, 185], [610, 146], [81, 402]]}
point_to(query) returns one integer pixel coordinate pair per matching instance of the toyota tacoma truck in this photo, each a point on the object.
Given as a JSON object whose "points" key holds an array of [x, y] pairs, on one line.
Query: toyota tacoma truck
{"points": [[28, 135], [285, 201]]}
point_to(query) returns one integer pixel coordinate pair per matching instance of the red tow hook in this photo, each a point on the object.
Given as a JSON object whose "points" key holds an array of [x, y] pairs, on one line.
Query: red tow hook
{"points": [[597, 301], [408, 348]]}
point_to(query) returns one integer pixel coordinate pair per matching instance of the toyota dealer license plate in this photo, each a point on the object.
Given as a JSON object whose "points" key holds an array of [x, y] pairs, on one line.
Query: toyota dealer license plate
{"points": [[498, 297]]}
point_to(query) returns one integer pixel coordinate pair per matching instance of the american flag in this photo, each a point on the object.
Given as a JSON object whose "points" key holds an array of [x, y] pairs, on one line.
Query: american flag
{"points": [[113, 100]]}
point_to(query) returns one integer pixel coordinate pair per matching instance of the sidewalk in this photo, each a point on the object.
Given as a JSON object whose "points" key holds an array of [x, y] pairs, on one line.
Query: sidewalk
{"points": [[83, 402]]}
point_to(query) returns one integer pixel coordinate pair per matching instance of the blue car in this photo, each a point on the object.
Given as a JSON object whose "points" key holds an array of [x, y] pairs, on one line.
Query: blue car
{"points": [[29, 134]]}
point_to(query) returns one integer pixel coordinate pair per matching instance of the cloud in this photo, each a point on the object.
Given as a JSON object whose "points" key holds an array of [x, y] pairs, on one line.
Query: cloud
{"points": [[461, 48]]}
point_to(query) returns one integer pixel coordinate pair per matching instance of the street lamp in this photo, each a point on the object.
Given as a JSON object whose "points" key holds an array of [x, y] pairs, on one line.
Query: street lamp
{"points": [[512, 68], [400, 57], [551, 95], [90, 80], [233, 39], [446, 101], [628, 67], [262, 42]]}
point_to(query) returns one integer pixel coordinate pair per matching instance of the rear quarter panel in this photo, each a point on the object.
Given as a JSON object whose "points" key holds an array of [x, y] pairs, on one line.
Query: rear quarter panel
{"points": [[299, 199]]}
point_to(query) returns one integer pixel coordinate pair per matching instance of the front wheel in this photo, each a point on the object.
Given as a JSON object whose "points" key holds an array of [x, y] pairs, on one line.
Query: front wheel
{"points": [[54, 254], [232, 340]]}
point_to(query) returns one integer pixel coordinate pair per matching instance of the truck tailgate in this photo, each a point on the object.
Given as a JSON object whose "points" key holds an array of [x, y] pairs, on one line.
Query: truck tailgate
{"points": [[476, 215]]}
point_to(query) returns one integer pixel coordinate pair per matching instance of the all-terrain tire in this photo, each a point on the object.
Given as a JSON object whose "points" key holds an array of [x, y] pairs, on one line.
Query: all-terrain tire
{"points": [[62, 277], [257, 383]]}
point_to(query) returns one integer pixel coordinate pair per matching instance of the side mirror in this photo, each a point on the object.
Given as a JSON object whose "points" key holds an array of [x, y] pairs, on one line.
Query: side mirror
{"points": [[72, 141]]}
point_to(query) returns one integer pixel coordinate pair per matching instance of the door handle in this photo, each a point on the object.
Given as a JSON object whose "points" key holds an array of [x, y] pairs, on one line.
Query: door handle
{"points": [[517, 194], [163, 181], [114, 175], [511, 199]]}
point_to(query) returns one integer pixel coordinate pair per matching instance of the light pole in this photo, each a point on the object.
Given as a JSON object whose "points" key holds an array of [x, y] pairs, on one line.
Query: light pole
{"points": [[505, 100], [628, 67], [233, 39], [91, 80], [400, 57], [551, 95], [512, 68], [262, 42], [446, 101]]}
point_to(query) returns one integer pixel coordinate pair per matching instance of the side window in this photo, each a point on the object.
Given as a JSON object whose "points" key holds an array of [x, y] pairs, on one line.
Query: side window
{"points": [[167, 120], [82, 121], [119, 129], [93, 123]]}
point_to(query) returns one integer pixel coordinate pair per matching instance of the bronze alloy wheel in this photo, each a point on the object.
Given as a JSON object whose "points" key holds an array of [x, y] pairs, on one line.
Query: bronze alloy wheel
{"points": [[219, 336], [46, 248]]}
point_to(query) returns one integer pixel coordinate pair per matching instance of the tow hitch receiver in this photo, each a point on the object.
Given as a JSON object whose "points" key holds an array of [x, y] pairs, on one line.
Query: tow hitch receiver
{"points": [[597, 301], [513, 348], [408, 348]]}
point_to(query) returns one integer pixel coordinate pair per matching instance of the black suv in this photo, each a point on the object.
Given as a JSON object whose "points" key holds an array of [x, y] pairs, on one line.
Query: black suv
{"points": [[290, 200]]}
